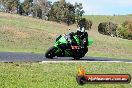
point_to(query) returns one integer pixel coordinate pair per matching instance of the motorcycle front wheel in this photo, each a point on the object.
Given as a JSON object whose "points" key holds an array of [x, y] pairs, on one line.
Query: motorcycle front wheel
{"points": [[50, 53]]}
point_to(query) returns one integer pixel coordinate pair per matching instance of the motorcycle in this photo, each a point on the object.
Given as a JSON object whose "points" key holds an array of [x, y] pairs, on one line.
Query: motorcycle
{"points": [[63, 48]]}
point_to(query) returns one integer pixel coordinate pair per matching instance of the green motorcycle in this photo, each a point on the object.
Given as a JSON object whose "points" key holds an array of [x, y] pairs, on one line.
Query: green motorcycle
{"points": [[63, 48]]}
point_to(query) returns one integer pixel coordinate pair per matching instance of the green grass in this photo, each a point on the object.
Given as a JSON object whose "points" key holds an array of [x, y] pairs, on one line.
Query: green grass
{"points": [[57, 75], [26, 34], [106, 46]]}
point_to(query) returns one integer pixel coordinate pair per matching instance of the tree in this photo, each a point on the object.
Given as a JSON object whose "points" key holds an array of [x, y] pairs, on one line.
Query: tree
{"points": [[10, 5], [2, 5], [35, 9], [39, 13], [125, 30], [78, 11], [107, 28], [70, 16], [26, 6], [21, 11], [55, 12], [42, 5], [62, 12]]}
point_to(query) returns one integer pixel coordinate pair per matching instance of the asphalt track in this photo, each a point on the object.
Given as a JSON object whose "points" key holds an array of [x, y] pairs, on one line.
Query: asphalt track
{"points": [[33, 57]]}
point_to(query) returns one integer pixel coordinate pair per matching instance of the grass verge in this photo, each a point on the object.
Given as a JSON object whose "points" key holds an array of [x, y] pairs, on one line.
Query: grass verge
{"points": [[57, 75]]}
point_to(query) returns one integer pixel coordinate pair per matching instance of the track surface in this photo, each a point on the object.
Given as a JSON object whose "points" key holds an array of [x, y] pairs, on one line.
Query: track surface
{"points": [[31, 57]]}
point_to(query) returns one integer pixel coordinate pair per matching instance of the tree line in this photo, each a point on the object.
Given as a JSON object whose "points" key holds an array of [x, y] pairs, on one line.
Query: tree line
{"points": [[59, 11], [111, 29]]}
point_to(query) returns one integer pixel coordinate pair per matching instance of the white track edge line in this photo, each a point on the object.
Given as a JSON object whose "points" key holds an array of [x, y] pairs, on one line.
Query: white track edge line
{"points": [[79, 61]]}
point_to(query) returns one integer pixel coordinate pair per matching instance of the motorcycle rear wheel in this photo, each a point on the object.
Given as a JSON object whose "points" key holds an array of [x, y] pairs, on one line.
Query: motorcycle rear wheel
{"points": [[76, 56]]}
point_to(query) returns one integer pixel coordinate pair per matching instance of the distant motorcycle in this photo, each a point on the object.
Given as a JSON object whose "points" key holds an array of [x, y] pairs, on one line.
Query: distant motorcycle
{"points": [[63, 48]]}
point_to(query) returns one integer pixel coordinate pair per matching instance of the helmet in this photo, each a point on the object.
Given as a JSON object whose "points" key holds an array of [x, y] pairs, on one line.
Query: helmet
{"points": [[80, 31], [83, 30]]}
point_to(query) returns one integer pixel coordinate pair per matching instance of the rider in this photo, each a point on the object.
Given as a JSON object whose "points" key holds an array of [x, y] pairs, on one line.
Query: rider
{"points": [[82, 35]]}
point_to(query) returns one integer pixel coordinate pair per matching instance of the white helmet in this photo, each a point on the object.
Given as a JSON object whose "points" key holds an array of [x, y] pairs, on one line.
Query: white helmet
{"points": [[81, 29], [78, 29]]}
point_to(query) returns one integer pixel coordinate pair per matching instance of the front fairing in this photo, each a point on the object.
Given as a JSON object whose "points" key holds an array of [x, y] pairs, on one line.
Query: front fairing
{"points": [[65, 39], [76, 39], [61, 40]]}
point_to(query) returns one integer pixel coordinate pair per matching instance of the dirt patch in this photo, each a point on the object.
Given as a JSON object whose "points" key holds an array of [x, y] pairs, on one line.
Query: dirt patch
{"points": [[53, 34], [17, 33]]}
